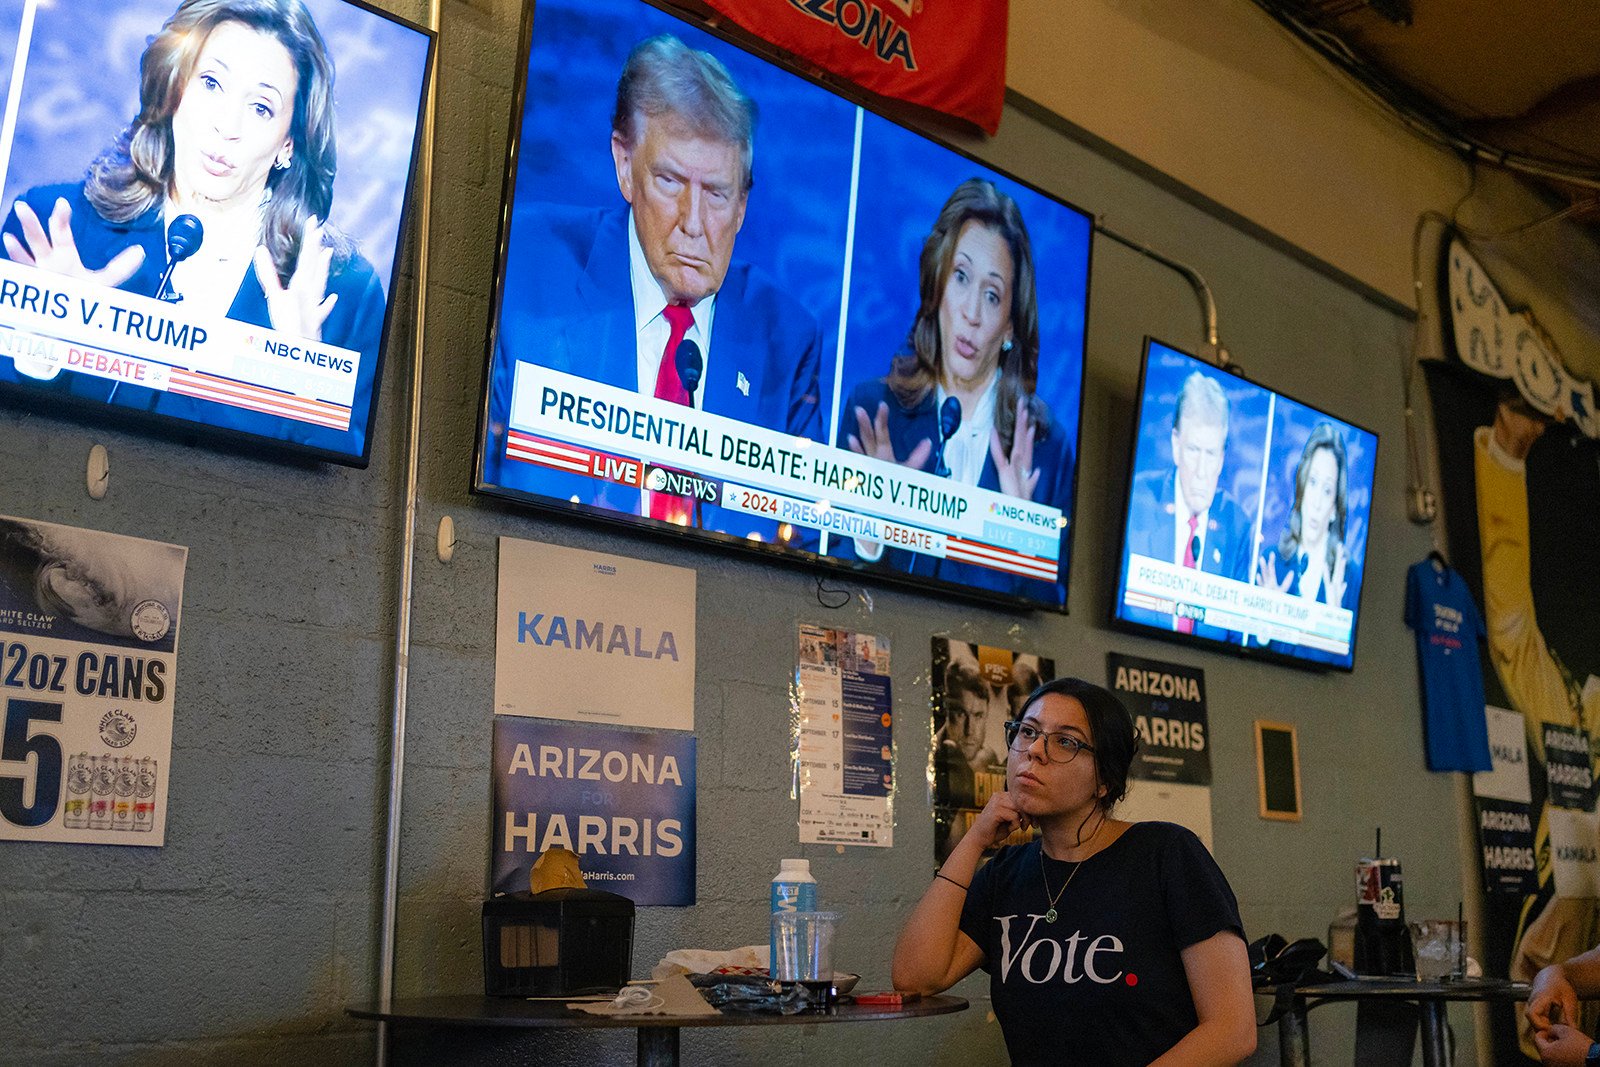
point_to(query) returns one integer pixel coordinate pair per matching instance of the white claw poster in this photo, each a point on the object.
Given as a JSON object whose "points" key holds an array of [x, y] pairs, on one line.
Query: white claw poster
{"points": [[88, 651]]}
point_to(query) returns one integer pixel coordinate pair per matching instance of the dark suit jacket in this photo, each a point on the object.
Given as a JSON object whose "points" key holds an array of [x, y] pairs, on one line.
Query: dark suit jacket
{"points": [[1151, 532], [1296, 568], [567, 304], [908, 427], [356, 322]]}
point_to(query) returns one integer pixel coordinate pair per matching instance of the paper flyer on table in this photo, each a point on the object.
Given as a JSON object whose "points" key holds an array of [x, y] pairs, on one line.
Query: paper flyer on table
{"points": [[844, 738]]}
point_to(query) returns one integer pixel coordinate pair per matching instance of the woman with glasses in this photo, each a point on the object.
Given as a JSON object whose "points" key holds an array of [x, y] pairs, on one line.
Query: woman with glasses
{"points": [[1106, 942]]}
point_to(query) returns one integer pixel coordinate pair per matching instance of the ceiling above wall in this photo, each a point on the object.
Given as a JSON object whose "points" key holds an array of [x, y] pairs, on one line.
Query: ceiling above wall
{"points": [[1517, 80]]}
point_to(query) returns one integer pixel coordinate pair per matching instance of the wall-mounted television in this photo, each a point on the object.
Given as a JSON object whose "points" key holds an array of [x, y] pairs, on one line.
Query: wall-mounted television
{"points": [[738, 305], [1247, 517], [204, 204]]}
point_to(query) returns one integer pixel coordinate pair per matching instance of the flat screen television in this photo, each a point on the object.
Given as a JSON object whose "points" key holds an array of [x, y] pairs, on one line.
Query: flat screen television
{"points": [[209, 245], [885, 338], [1247, 517]]}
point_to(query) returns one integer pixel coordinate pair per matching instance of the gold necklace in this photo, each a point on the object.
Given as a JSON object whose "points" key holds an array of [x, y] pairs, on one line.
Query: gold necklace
{"points": [[1050, 916]]}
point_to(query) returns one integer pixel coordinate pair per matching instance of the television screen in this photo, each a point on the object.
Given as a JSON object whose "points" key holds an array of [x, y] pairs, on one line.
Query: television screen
{"points": [[1247, 517], [204, 202], [739, 304]]}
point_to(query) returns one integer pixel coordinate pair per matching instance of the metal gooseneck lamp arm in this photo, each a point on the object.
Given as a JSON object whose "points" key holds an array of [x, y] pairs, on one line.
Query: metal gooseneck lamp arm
{"points": [[1213, 352]]}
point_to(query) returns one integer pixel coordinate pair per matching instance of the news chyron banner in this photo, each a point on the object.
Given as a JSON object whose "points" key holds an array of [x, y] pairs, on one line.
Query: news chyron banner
{"points": [[1265, 615], [573, 424], [88, 655], [589, 637], [948, 55], [1170, 778], [55, 324], [622, 800]]}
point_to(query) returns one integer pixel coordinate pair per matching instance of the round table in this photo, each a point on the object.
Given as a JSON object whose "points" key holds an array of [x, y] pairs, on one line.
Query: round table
{"points": [[658, 1034], [1293, 1036]]}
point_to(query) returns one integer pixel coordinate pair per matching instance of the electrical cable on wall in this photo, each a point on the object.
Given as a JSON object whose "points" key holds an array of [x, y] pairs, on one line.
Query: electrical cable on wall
{"points": [[1418, 114]]}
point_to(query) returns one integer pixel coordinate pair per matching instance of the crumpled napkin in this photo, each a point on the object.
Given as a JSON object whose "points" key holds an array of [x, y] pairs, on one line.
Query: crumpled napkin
{"points": [[705, 960], [673, 995]]}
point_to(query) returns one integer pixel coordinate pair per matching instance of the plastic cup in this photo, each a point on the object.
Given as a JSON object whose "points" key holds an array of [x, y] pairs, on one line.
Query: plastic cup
{"points": [[802, 943], [1436, 945]]}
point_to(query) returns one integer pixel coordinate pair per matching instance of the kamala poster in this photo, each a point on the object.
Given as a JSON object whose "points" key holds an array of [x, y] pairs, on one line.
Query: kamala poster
{"points": [[589, 637]]}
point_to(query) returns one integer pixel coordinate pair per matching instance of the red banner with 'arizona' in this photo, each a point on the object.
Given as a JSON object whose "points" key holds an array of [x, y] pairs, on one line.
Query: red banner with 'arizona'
{"points": [[947, 55]]}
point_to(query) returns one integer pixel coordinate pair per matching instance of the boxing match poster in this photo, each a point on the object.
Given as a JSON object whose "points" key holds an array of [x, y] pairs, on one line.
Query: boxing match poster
{"points": [[88, 657], [976, 690]]}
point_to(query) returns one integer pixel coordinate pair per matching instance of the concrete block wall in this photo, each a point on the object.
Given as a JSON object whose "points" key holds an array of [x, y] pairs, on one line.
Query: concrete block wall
{"points": [[246, 936]]}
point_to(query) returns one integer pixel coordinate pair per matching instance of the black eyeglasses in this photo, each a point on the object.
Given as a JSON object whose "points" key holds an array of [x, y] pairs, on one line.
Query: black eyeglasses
{"points": [[1058, 748]]}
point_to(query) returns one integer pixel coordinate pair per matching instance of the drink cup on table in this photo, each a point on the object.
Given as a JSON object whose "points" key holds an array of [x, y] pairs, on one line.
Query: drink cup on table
{"points": [[1437, 946], [802, 944]]}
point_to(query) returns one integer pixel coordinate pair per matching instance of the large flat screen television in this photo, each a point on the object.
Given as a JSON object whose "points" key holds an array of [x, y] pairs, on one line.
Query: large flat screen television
{"points": [[204, 204], [1247, 517], [741, 306]]}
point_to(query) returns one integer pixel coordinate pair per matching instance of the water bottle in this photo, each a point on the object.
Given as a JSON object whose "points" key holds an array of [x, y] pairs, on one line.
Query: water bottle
{"points": [[792, 890]]}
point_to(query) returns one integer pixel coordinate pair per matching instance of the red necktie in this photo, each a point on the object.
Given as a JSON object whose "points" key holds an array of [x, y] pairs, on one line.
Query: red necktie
{"points": [[669, 387], [1186, 625]]}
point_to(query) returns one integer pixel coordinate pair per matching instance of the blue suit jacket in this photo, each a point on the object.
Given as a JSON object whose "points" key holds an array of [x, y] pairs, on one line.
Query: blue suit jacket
{"points": [[1296, 568], [909, 427], [567, 304], [1151, 532], [356, 322]]}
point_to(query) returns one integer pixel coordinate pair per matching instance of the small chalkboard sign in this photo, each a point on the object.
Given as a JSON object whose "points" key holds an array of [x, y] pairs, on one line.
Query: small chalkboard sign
{"points": [[1278, 770]]}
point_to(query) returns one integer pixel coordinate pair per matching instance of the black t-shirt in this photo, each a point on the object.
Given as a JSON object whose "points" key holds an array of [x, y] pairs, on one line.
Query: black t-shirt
{"points": [[1104, 984]]}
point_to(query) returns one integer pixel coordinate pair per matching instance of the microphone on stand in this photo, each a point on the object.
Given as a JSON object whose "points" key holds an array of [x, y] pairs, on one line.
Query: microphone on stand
{"points": [[183, 240], [949, 423], [690, 364]]}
